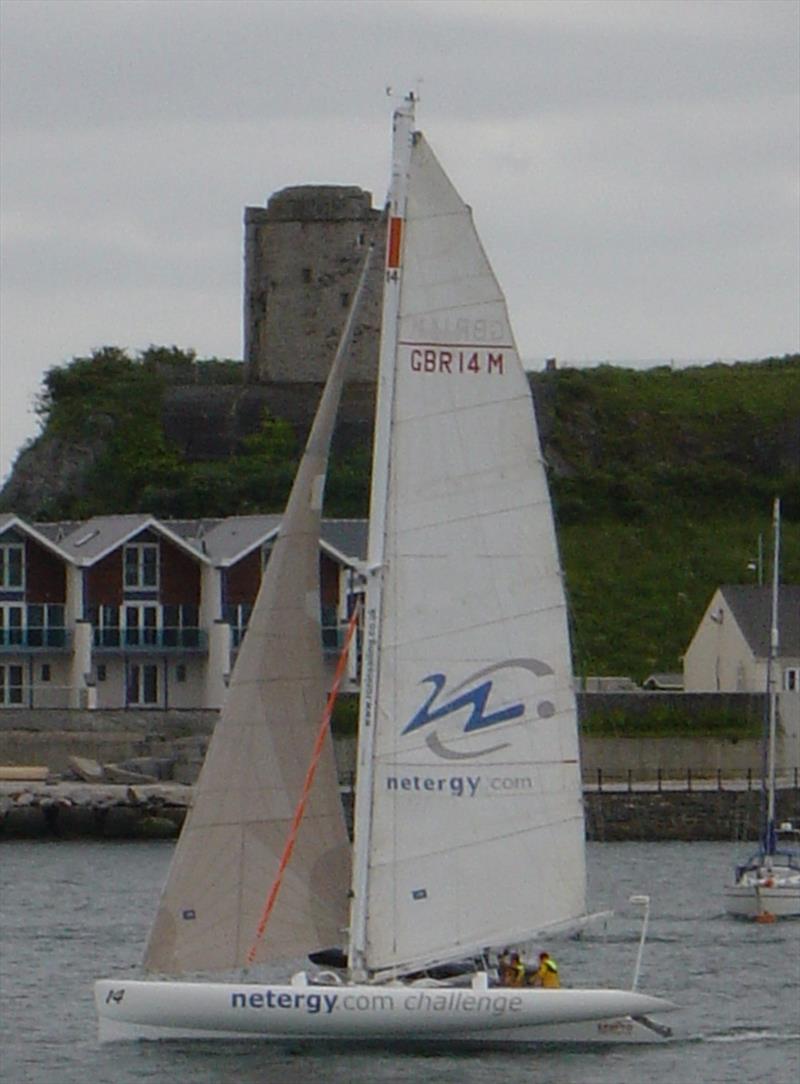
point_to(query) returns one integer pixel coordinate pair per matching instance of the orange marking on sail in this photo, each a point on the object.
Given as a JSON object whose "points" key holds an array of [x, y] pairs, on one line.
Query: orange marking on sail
{"points": [[395, 239]]}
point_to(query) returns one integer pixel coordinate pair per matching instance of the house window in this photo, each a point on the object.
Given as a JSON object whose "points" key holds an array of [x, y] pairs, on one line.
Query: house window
{"points": [[142, 685], [237, 616], [105, 620], [141, 565], [12, 625], [46, 625], [141, 624], [45, 671], [12, 565], [791, 679], [180, 625], [10, 686]]}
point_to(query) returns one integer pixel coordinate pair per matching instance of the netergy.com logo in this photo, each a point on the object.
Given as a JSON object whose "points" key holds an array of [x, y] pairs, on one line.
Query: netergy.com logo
{"points": [[473, 696]]}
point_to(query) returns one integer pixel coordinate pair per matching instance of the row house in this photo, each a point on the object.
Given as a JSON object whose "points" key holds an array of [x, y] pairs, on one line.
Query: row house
{"points": [[132, 611], [35, 638]]}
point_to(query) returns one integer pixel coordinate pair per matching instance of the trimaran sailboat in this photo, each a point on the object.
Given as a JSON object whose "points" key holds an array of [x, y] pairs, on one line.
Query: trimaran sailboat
{"points": [[767, 885], [469, 831]]}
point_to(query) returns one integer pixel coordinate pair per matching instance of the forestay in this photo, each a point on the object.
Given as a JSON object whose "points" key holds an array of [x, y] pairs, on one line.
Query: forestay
{"points": [[476, 833]]}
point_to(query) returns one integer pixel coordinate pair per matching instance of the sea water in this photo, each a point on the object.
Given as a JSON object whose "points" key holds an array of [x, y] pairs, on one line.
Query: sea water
{"points": [[73, 912]]}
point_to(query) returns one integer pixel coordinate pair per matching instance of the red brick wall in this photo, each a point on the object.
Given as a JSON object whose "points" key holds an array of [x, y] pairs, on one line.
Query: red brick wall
{"points": [[179, 576], [104, 581], [242, 580], [45, 575]]}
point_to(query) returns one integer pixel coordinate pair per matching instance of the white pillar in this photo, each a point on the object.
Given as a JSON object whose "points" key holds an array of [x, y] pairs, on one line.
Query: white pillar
{"points": [[218, 664], [81, 670]]}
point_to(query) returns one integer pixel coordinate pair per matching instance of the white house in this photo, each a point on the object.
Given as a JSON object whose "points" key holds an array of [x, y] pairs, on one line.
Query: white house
{"points": [[730, 649]]}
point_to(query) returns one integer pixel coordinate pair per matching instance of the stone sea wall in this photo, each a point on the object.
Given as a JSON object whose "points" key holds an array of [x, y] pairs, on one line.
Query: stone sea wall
{"points": [[72, 810], [727, 814]]}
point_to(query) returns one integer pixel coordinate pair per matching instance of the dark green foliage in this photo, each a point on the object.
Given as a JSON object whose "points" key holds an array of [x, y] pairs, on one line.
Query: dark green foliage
{"points": [[344, 722], [347, 488], [666, 482], [670, 721], [636, 592], [637, 442], [258, 480], [109, 404]]}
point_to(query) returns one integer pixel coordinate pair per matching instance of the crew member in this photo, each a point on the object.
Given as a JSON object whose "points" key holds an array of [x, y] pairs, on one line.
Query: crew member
{"points": [[546, 975], [511, 970], [503, 965]]}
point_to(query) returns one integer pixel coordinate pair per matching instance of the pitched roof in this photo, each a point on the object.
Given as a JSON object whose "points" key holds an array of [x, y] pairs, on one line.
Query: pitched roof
{"points": [[221, 542], [226, 541], [41, 533], [752, 608], [91, 540], [347, 537]]}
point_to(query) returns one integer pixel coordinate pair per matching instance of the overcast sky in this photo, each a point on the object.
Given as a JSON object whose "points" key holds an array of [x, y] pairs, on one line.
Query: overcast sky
{"points": [[632, 165]]}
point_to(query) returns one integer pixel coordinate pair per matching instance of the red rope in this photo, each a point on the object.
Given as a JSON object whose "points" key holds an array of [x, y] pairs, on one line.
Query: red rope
{"points": [[301, 805]]}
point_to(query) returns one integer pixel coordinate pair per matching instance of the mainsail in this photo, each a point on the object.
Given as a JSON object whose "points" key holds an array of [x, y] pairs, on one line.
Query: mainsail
{"points": [[471, 826], [256, 763]]}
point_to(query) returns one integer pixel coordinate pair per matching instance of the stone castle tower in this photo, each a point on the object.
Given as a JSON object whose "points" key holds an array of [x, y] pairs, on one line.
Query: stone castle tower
{"points": [[303, 255]]}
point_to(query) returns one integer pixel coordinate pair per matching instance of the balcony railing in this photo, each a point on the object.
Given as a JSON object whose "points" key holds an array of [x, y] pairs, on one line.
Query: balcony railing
{"points": [[151, 639], [333, 637], [54, 638]]}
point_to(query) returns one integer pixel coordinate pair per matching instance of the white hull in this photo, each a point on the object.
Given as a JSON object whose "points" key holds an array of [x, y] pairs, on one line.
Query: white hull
{"points": [[760, 890], [753, 900], [362, 1013]]}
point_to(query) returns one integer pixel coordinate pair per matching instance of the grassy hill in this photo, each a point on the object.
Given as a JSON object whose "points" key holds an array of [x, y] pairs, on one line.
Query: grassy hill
{"points": [[662, 480]]}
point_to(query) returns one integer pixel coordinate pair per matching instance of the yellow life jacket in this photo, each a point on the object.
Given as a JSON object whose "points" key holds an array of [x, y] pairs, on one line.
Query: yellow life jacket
{"points": [[548, 974]]}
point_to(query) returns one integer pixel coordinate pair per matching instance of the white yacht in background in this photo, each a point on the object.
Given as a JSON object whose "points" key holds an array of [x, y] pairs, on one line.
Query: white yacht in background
{"points": [[767, 885]]}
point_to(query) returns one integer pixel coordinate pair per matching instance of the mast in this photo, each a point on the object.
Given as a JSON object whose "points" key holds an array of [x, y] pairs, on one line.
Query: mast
{"points": [[403, 126], [772, 678]]}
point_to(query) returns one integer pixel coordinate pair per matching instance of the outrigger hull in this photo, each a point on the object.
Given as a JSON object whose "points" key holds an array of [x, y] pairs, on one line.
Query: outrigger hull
{"points": [[362, 1013]]}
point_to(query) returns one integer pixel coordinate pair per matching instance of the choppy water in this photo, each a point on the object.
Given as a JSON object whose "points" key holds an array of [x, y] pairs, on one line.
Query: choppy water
{"points": [[72, 912]]}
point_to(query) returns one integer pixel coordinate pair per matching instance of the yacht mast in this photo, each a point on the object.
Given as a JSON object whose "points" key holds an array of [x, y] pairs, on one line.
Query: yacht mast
{"points": [[403, 128], [772, 682]]}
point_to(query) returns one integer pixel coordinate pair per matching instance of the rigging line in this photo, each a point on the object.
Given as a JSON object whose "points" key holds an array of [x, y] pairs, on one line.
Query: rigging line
{"points": [[309, 780]]}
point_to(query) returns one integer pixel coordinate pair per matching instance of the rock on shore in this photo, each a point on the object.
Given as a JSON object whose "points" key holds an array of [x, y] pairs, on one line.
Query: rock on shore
{"points": [[78, 810]]}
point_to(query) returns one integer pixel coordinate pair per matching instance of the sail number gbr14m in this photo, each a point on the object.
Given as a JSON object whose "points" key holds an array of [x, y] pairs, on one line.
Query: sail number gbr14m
{"points": [[453, 361]]}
